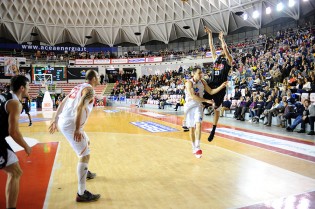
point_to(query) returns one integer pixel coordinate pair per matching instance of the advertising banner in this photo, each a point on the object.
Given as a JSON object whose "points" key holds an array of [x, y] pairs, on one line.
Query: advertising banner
{"points": [[119, 61], [84, 62], [153, 59], [101, 61], [136, 60]]}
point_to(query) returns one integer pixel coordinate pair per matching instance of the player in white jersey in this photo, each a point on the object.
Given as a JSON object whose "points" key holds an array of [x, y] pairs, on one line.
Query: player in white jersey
{"points": [[70, 117], [193, 107]]}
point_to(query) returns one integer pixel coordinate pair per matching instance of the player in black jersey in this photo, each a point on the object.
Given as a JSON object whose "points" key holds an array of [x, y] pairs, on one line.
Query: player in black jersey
{"points": [[10, 110], [26, 103], [220, 72]]}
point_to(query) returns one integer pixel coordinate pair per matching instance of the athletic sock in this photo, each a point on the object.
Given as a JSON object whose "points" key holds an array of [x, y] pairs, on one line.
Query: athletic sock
{"points": [[211, 136], [197, 144], [193, 147], [82, 170]]}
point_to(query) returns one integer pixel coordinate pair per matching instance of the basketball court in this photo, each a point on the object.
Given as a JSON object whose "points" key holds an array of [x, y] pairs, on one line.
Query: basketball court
{"points": [[143, 159]]}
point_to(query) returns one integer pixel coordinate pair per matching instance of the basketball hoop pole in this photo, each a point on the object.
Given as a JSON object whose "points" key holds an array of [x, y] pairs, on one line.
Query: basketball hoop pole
{"points": [[45, 80]]}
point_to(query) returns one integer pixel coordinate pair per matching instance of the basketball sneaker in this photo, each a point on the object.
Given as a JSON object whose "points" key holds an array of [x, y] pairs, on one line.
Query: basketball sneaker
{"points": [[87, 197], [185, 128], [90, 175], [198, 154]]}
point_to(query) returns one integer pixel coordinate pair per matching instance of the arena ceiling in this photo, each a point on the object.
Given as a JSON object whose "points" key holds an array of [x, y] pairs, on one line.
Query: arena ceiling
{"points": [[112, 22]]}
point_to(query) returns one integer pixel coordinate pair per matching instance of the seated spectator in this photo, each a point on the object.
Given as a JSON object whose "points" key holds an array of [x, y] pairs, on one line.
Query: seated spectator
{"points": [[181, 102], [306, 118], [291, 100], [257, 83], [253, 110], [267, 106], [307, 85], [242, 108], [243, 83], [226, 105], [273, 111], [280, 117], [301, 115], [238, 93], [260, 106], [311, 118], [299, 86]]}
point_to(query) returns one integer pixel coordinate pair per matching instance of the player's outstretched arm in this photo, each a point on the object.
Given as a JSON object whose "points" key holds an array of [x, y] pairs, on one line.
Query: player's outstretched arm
{"points": [[216, 90], [53, 124], [214, 55], [224, 47], [190, 90], [86, 98]]}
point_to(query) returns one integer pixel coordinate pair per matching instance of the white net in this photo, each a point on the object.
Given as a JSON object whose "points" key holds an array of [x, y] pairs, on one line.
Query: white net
{"points": [[43, 79]]}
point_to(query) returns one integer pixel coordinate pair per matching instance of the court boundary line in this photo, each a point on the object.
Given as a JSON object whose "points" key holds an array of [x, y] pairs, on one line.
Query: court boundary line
{"points": [[51, 180]]}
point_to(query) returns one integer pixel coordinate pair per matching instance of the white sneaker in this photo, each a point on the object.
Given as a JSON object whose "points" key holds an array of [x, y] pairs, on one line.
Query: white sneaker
{"points": [[250, 121], [198, 154]]}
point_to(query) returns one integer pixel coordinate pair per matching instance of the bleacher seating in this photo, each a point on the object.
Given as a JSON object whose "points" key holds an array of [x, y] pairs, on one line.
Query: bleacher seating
{"points": [[100, 89], [34, 89], [304, 96]]}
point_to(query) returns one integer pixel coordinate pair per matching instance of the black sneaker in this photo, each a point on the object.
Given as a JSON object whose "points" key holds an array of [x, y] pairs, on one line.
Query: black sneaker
{"points": [[311, 133], [185, 128], [289, 129], [30, 124], [90, 175], [301, 131], [87, 197]]}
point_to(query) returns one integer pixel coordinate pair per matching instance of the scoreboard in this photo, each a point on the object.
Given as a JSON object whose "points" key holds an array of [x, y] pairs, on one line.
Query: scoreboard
{"points": [[58, 72]]}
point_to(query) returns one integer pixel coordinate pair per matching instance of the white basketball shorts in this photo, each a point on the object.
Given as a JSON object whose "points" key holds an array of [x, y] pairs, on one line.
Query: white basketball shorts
{"points": [[194, 114], [67, 128], [12, 158]]}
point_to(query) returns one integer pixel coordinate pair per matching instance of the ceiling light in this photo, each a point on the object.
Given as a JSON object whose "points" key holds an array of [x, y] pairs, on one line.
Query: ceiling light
{"points": [[291, 3], [268, 10], [305, 0], [245, 16], [255, 14], [279, 6]]}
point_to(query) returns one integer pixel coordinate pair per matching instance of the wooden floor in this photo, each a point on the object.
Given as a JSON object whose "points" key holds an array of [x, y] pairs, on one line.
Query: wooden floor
{"points": [[137, 168]]}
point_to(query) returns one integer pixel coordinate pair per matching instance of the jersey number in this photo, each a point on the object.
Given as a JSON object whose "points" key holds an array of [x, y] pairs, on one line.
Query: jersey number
{"points": [[74, 92], [217, 72]]}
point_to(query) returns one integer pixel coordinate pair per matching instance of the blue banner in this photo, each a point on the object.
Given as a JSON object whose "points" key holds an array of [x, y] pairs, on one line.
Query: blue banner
{"points": [[153, 127], [27, 47]]}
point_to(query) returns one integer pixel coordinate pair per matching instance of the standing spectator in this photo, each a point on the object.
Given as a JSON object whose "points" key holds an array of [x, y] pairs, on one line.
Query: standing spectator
{"points": [[102, 79]]}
